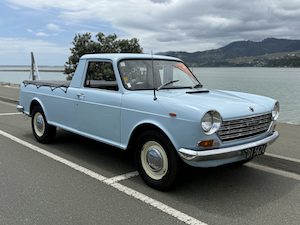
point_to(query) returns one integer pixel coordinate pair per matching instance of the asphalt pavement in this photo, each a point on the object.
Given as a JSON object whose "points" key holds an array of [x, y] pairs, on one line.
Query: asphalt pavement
{"points": [[9, 93], [76, 180]]}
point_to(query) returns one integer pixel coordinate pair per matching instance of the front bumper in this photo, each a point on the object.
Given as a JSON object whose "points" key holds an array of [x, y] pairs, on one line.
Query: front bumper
{"points": [[220, 156], [20, 108]]}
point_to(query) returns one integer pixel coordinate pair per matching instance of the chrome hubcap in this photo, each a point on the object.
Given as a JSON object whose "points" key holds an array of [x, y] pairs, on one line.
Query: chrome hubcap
{"points": [[40, 122], [154, 159]]}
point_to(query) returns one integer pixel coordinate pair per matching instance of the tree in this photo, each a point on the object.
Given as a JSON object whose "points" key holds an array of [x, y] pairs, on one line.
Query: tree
{"points": [[83, 44]]}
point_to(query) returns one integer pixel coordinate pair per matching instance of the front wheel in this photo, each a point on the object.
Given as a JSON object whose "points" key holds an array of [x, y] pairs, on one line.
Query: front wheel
{"points": [[42, 131], [156, 160]]}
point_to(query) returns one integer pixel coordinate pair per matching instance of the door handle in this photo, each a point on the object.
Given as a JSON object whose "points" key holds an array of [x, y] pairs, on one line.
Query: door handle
{"points": [[80, 96]]}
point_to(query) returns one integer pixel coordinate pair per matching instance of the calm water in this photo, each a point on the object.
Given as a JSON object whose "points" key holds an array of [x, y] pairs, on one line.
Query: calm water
{"points": [[282, 84], [16, 75]]}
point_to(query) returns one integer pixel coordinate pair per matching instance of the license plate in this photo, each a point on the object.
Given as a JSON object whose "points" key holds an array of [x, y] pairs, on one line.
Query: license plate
{"points": [[255, 151]]}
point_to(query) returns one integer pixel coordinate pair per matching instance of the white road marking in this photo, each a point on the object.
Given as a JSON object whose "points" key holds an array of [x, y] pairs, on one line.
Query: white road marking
{"points": [[9, 114], [112, 182], [121, 177], [157, 204], [54, 157], [274, 171], [283, 157]]}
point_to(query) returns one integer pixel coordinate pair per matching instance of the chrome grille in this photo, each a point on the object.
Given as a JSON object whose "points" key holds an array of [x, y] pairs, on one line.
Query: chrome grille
{"points": [[244, 127]]}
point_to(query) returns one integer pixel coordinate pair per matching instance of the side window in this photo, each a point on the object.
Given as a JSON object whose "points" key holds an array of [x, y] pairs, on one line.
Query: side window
{"points": [[100, 75]]}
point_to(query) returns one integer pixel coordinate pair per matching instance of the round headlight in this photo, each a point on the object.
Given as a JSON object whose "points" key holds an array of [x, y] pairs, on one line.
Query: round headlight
{"points": [[207, 122], [275, 111], [211, 122]]}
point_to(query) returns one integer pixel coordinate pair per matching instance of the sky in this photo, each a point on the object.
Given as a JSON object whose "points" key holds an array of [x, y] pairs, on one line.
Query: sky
{"points": [[47, 27]]}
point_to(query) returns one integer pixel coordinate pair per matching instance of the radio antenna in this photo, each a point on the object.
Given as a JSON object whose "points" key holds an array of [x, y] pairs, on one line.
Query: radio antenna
{"points": [[154, 89]]}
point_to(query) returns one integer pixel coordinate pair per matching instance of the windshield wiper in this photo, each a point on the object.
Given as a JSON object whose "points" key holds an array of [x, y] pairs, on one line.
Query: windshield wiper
{"points": [[166, 84], [198, 86]]}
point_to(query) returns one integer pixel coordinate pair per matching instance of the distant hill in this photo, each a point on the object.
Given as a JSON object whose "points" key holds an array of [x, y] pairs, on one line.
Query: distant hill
{"points": [[269, 52]]}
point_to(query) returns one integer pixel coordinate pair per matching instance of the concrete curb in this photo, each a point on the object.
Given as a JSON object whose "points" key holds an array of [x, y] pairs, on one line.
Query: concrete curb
{"points": [[278, 163], [9, 100]]}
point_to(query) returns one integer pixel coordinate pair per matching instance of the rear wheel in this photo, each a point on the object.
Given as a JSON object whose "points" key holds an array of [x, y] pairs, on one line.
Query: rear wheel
{"points": [[156, 160], [42, 131]]}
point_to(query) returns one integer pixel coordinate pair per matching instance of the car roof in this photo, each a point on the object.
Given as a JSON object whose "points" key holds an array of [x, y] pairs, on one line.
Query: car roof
{"points": [[120, 56]]}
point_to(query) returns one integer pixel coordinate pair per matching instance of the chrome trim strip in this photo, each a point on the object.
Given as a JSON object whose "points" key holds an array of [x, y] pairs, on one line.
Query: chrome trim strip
{"points": [[188, 154], [20, 108]]}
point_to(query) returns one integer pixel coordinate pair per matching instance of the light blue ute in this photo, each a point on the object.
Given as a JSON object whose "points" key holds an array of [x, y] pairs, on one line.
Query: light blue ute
{"points": [[154, 106]]}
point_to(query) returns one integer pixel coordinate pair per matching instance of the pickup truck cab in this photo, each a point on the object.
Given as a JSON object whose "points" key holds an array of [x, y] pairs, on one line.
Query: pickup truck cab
{"points": [[155, 106]]}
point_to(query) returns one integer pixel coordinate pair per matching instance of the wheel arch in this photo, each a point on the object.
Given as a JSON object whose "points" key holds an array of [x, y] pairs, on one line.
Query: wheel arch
{"points": [[47, 133], [36, 102], [139, 129]]}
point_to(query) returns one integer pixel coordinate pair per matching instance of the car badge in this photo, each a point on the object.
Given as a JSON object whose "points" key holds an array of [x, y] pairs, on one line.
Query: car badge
{"points": [[251, 109]]}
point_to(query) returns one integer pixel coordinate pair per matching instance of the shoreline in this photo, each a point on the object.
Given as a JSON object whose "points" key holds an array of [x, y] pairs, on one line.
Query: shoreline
{"points": [[17, 86]]}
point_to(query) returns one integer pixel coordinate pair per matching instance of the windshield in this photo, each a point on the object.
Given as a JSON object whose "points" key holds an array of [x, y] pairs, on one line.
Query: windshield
{"points": [[147, 74]]}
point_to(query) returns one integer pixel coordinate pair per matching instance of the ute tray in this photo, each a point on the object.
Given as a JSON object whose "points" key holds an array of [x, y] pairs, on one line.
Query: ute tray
{"points": [[52, 84]]}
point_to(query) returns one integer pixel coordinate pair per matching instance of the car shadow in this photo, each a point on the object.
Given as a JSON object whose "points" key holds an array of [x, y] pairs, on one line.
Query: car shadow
{"points": [[104, 159], [229, 191]]}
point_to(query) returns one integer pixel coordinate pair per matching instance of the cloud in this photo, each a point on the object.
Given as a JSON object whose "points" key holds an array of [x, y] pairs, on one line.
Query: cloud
{"points": [[38, 34], [53, 27], [27, 45], [16, 51], [41, 34], [161, 1], [190, 25]]}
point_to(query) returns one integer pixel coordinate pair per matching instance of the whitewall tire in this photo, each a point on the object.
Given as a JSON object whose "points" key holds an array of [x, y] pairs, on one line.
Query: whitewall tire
{"points": [[156, 160], [42, 131]]}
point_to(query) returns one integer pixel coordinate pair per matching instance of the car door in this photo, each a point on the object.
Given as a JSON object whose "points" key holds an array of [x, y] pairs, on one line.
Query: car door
{"points": [[99, 103]]}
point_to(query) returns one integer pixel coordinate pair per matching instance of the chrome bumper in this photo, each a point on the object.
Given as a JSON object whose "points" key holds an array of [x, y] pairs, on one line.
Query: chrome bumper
{"points": [[20, 108], [223, 153]]}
